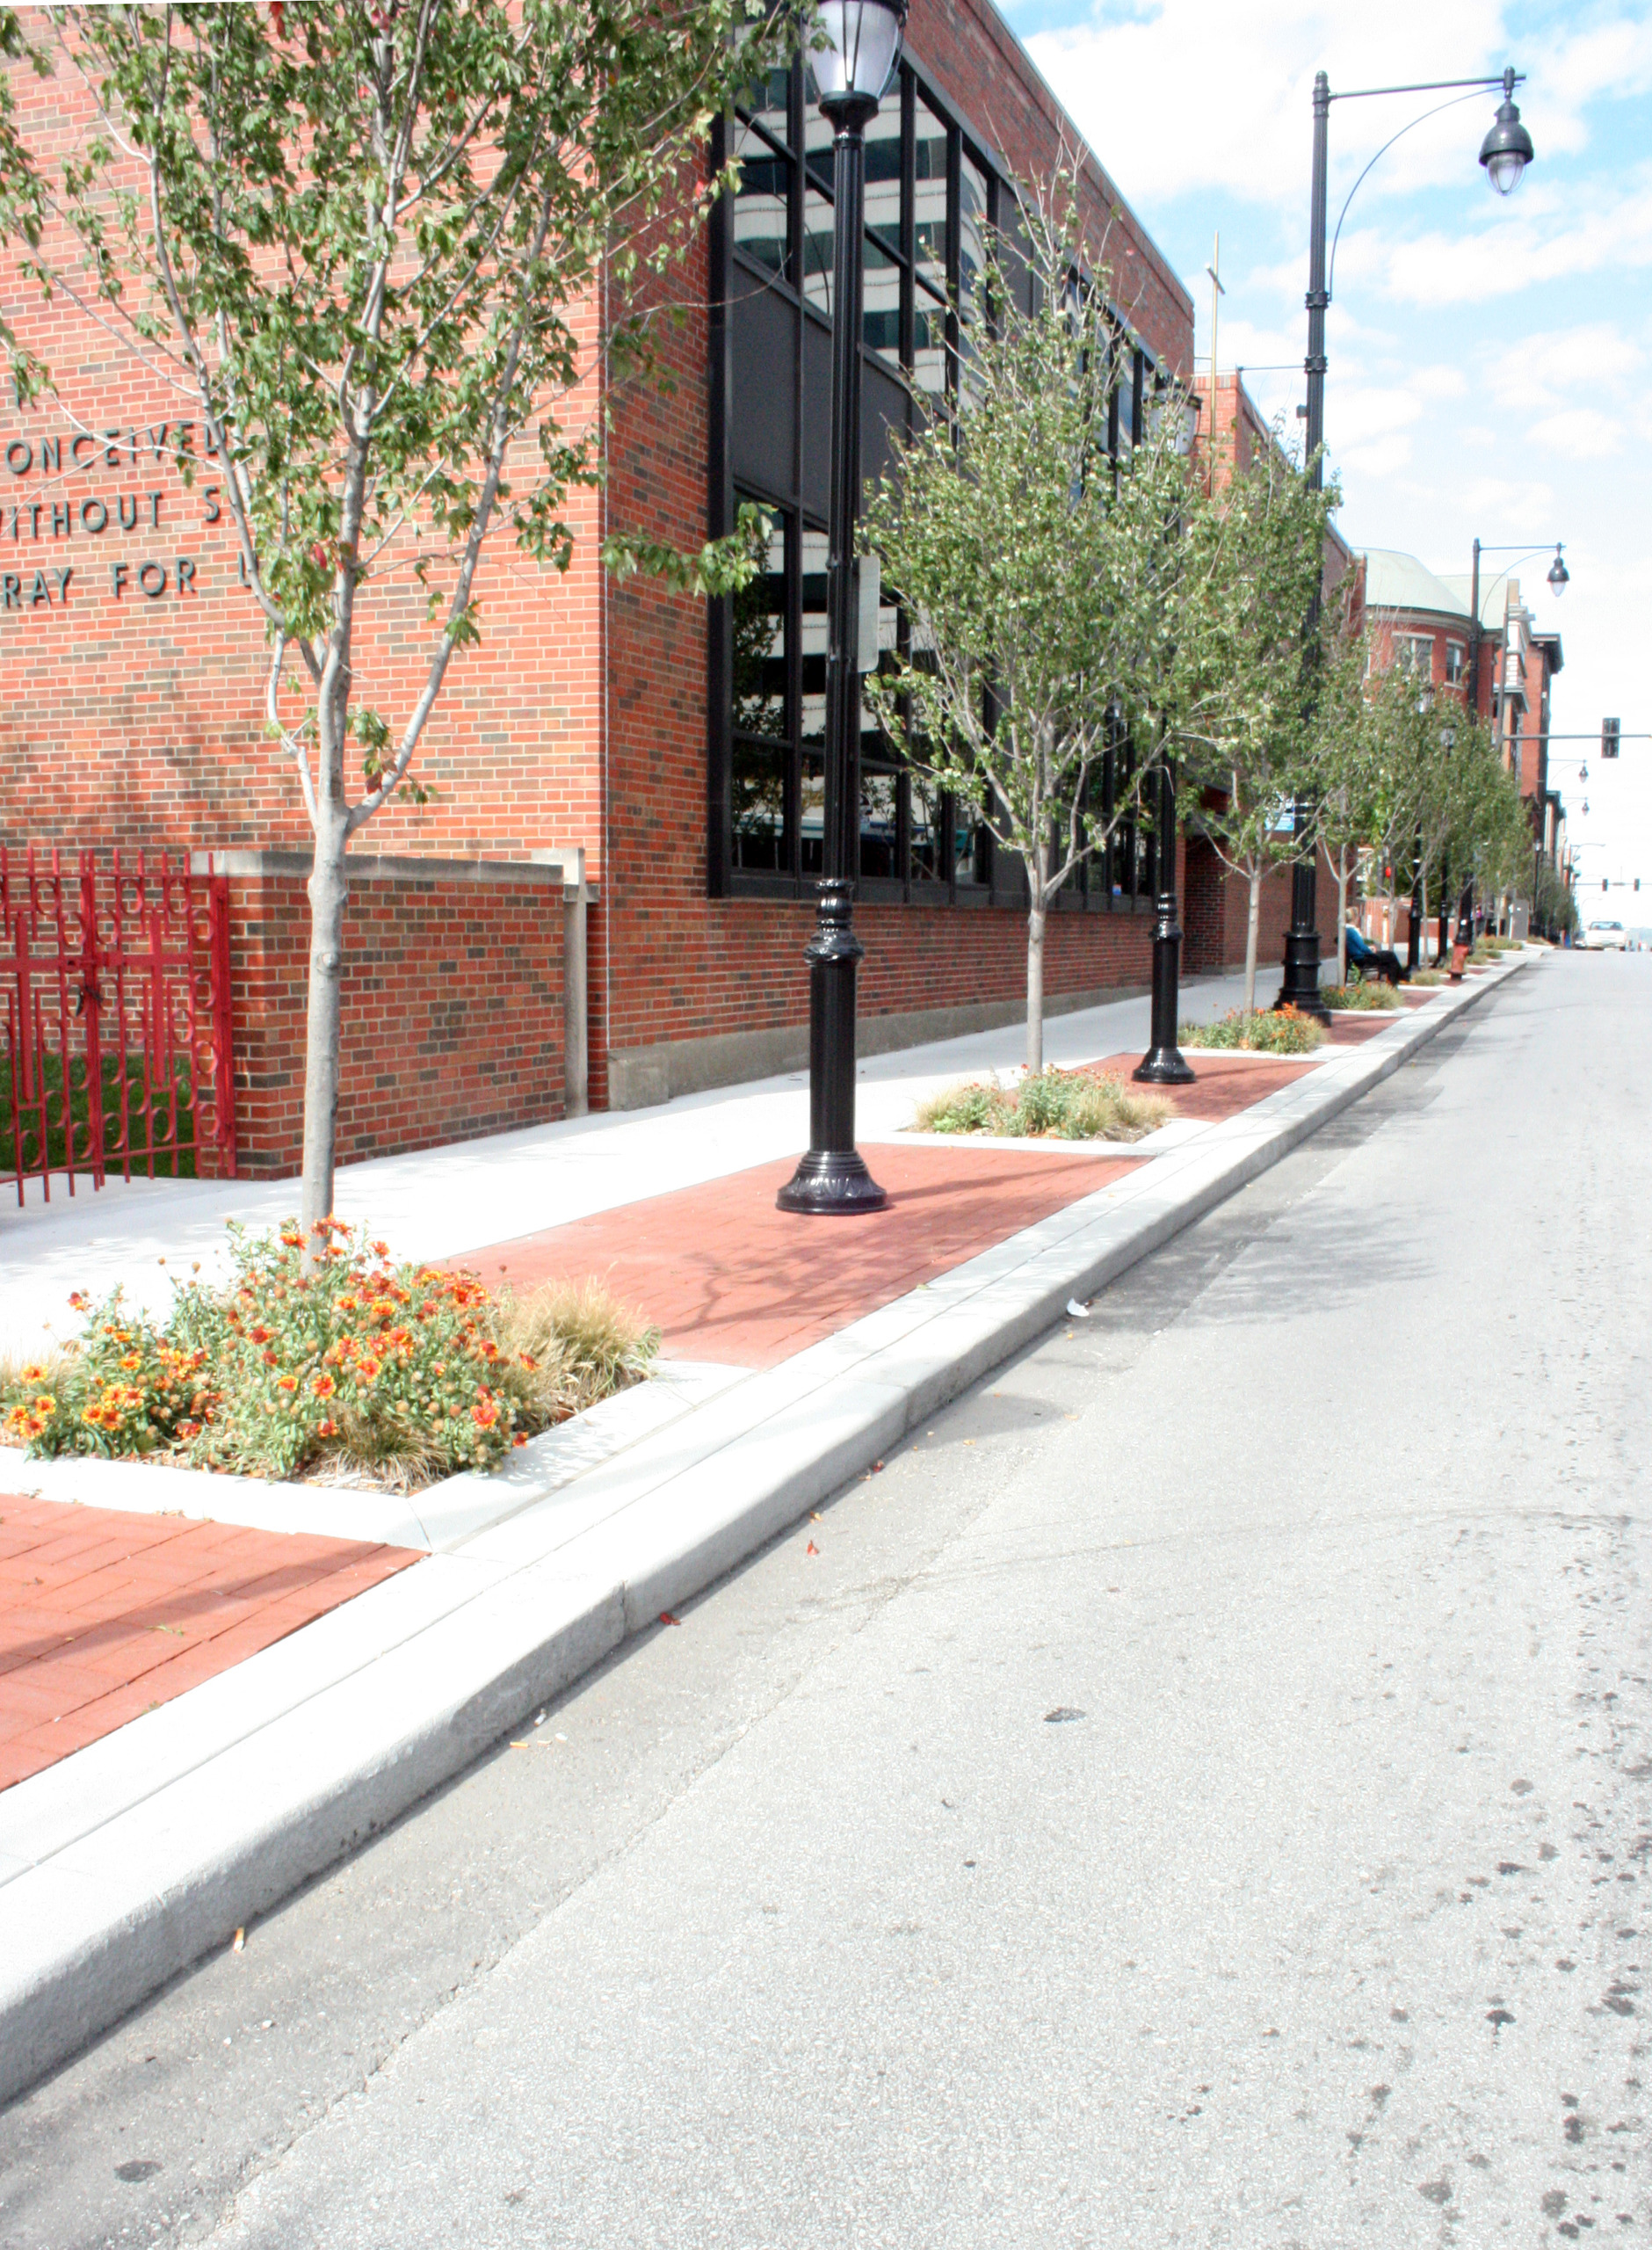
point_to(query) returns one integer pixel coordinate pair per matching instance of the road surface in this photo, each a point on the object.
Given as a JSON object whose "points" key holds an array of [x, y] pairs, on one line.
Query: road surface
{"points": [[1198, 1792]]}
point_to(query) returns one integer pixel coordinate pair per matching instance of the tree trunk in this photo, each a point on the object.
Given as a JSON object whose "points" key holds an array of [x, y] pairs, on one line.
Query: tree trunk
{"points": [[329, 886], [1342, 915], [1422, 943], [1252, 924], [1035, 989]]}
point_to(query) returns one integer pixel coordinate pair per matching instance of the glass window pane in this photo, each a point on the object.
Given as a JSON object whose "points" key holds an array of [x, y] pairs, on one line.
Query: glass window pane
{"points": [[814, 650], [881, 301], [879, 821], [929, 343], [817, 145], [929, 828], [929, 199], [883, 171], [971, 847], [759, 644], [817, 251], [764, 204], [770, 102], [972, 223], [812, 826], [758, 804]]}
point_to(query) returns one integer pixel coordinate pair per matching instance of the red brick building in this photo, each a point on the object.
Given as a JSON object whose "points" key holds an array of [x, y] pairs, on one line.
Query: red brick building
{"points": [[1505, 668], [671, 750]]}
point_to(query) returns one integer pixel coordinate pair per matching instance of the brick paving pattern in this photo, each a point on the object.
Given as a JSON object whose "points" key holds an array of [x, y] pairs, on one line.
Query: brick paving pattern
{"points": [[1224, 1083], [104, 1614], [727, 1277]]}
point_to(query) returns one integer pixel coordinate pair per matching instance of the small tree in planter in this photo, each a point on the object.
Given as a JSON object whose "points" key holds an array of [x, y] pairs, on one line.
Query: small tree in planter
{"points": [[1246, 668], [364, 240], [1032, 567]]}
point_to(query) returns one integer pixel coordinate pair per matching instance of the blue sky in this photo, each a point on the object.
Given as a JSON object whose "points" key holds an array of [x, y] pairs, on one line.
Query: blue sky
{"points": [[1489, 359]]}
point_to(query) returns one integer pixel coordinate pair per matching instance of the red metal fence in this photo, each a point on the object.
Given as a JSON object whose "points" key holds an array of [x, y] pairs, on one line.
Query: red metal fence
{"points": [[116, 987]]}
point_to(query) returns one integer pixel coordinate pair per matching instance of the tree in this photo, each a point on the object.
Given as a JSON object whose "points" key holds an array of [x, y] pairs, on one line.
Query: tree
{"points": [[1026, 558], [366, 238], [1247, 665], [1350, 780]]}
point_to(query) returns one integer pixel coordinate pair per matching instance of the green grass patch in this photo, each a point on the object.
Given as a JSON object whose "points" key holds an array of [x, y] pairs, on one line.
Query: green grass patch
{"points": [[1264, 1031], [168, 1163], [1427, 976], [1365, 992], [1056, 1104]]}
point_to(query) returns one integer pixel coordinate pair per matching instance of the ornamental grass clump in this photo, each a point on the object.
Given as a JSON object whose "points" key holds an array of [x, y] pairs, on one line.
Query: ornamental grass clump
{"points": [[1260, 1031], [1056, 1104], [1427, 976], [347, 1365], [1365, 992]]}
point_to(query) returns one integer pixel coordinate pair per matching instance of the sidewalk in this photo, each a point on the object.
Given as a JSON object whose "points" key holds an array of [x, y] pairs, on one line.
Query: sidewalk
{"points": [[798, 1354]]}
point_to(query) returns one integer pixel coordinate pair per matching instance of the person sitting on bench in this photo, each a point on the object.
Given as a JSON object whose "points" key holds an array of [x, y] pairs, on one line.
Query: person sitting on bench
{"points": [[1372, 961]]}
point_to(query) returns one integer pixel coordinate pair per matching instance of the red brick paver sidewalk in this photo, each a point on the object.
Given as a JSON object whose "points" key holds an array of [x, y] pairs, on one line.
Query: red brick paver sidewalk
{"points": [[105, 1614], [728, 1277], [1224, 1083]]}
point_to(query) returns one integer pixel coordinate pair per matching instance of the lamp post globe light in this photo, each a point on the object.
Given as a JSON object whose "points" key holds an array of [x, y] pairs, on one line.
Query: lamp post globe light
{"points": [[1506, 153], [1507, 149], [853, 69]]}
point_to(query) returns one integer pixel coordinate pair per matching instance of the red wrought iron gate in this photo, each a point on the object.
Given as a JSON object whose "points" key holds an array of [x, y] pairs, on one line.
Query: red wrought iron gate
{"points": [[116, 986]]}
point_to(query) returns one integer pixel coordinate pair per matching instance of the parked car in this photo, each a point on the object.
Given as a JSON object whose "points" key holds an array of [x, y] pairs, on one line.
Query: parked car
{"points": [[1600, 937]]}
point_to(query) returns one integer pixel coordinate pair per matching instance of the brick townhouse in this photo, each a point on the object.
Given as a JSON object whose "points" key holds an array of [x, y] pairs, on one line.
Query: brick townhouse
{"points": [[669, 749], [1426, 623]]}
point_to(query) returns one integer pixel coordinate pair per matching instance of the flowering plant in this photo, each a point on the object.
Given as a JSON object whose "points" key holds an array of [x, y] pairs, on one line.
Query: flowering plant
{"points": [[348, 1359]]}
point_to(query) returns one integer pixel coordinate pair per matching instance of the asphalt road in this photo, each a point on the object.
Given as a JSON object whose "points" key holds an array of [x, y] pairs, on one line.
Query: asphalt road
{"points": [[1198, 1793]]}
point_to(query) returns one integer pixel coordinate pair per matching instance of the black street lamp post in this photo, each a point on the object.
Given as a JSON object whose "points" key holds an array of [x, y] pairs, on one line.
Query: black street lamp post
{"points": [[852, 71], [1505, 152], [1164, 1065]]}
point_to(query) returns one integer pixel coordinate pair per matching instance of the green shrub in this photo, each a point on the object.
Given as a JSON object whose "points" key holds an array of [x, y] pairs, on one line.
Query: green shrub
{"points": [[1058, 1105], [1427, 976], [1264, 1031], [359, 1365], [1366, 993]]}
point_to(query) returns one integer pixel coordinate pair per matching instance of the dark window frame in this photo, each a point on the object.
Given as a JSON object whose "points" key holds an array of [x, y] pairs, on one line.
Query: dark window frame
{"points": [[735, 273]]}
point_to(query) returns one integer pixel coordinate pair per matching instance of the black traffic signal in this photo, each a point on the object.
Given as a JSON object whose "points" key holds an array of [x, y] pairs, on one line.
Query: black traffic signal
{"points": [[1609, 731], [1605, 885]]}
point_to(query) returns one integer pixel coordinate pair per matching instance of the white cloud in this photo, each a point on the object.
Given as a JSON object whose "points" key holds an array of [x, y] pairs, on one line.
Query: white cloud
{"points": [[1200, 93], [1550, 370], [1581, 433]]}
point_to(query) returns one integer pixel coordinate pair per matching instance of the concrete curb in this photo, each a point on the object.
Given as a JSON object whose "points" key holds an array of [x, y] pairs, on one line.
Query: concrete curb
{"points": [[125, 1864]]}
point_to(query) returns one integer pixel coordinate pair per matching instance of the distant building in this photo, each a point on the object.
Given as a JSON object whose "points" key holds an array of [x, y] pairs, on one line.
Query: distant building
{"points": [[1500, 664]]}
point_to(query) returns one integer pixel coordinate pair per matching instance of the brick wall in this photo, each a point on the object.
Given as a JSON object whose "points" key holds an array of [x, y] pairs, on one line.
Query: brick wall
{"points": [[452, 1005]]}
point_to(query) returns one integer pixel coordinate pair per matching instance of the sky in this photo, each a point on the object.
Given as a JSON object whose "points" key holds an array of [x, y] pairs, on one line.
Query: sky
{"points": [[1489, 359]]}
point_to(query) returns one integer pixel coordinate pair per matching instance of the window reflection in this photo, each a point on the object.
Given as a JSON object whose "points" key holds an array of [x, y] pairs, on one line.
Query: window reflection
{"points": [[929, 343], [817, 253], [972, 224], [812, 821], [929, 198], [763, 206], [928, 828], [883, 171], [879, 822], [881, 304], [813, 644], [759, 644]]}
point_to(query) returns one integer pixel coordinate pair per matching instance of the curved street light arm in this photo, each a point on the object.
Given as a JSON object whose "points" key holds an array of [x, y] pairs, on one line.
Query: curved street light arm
{"points": [[1330, 282]]}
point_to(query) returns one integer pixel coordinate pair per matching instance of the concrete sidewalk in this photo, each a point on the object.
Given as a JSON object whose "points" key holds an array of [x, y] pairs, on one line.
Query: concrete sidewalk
{"points": [[126, 1861], [443, 1203]]}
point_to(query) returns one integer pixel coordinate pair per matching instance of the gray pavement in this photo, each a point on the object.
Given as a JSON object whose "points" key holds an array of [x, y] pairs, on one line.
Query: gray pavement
{"points": [[1198, 1792]]}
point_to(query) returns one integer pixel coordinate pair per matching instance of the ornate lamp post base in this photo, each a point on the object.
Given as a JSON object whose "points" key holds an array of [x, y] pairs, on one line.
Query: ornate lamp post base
{"points": [[832, 1178], [1164, 1065]]}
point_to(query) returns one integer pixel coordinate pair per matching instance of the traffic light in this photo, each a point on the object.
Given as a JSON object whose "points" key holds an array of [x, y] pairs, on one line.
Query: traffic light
{"points": [[1609, 731], [1605, 885]]}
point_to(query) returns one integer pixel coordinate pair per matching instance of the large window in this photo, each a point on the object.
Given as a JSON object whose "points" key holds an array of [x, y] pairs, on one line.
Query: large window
{"points": [[931, 196]]}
